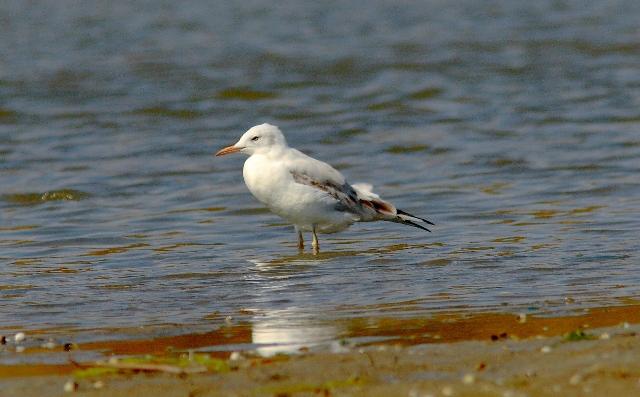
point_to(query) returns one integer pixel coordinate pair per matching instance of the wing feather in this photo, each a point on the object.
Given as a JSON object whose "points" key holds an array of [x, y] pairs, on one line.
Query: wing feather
{"points": [[346, 196], [311, 172], [357, 199]]}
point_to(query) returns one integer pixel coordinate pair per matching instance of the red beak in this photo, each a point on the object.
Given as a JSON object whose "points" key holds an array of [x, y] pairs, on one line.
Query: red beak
{"points": [[228, 150]]}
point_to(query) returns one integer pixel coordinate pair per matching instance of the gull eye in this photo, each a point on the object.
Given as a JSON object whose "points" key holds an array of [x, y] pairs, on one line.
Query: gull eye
{"points": [[255, 138]]}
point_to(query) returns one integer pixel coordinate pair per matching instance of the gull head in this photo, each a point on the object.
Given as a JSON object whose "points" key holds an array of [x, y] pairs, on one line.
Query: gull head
{"points": [[259, 139]]}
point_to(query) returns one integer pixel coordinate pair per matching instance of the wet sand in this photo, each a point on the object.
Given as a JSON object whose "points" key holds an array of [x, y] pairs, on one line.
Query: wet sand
{"points": [[591, 352]]}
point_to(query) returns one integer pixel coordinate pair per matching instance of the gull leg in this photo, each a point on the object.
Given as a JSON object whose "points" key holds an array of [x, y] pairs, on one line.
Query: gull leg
{"points": [[314, 243], [300, 240]]}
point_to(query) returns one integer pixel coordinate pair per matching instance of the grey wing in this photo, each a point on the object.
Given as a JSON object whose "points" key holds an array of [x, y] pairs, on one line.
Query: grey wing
{"points": [[345, 194], [360, 202], [368, 208]]}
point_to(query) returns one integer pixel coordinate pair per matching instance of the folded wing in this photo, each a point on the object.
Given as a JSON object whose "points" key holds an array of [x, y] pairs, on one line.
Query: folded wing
{"points": [[357, 199]]}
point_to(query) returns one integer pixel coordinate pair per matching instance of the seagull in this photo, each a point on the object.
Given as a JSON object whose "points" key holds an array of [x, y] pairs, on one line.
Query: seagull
{"points": [[306, 192]]}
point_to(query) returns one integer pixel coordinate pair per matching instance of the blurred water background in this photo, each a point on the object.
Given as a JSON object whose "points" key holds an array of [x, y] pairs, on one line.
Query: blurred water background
{"points": [[512, 125]]}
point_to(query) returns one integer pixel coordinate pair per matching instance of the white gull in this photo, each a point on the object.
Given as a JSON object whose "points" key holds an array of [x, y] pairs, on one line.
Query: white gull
{"points": [[307, 192]]}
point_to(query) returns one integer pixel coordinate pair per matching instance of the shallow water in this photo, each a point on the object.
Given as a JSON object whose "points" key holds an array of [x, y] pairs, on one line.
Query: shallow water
{"points": [[513, 127]]}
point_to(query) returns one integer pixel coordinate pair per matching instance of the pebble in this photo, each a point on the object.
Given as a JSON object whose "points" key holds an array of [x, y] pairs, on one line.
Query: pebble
{"points": [[447, 391], [575, 379], [235, 356], [546, 349], [20, 336], [468, 379], [69, 346], [49, 345], [522, 318], [99, 384], [70, 386]]}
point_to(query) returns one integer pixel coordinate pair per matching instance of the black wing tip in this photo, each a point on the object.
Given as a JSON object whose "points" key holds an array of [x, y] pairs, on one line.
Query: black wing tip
{"points": [[416, 225], [417, 217]]}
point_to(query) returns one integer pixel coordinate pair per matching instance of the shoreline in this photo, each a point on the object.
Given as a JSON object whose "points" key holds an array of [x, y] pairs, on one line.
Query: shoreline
{"points": [[587, 353]]}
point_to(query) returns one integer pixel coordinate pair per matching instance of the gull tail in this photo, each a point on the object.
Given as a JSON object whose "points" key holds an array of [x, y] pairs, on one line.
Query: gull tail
{"points": [[378, 209]]}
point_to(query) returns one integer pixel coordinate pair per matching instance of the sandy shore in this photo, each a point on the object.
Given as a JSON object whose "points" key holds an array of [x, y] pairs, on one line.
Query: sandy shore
{"points": [[589, 362]]}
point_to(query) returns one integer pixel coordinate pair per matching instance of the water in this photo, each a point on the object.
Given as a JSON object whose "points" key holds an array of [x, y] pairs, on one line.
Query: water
{"points": [[513, 126]]}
